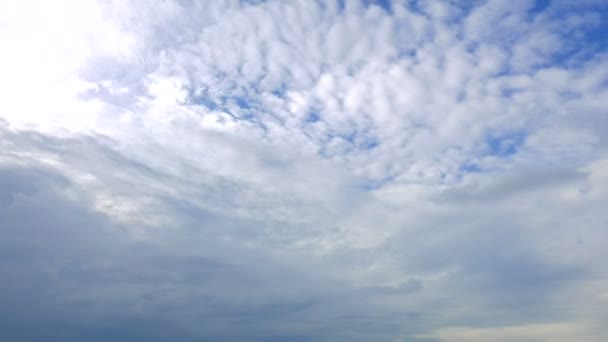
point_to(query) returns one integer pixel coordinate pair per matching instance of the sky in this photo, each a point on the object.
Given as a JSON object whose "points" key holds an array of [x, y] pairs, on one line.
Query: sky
{"points": [[304, 170]]}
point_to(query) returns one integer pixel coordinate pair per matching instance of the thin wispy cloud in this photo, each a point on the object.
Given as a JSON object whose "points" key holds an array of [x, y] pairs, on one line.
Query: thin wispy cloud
{"points": [[303, 170]]}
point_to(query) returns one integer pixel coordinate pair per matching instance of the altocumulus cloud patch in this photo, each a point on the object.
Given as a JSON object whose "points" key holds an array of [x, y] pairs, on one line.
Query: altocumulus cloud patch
{"points": [[303, 170]]}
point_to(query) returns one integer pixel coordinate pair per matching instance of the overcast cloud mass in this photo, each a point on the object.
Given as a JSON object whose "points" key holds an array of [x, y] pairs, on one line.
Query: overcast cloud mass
{"points": [[304, 170]]}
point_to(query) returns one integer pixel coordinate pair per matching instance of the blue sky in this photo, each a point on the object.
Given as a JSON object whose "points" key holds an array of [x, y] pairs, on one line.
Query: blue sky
{"points": [[304, 170]]}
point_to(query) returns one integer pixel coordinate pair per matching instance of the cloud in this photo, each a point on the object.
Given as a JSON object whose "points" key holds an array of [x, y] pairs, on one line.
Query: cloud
{"points": [[303, 170], [533, 332]]}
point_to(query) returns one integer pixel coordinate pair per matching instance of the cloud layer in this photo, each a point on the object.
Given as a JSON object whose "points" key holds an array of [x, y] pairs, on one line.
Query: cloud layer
{"points": [[303, 170]]}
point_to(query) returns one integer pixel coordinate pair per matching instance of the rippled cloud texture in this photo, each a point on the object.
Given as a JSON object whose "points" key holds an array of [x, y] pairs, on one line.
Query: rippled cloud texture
{"points": [[304, 170]]}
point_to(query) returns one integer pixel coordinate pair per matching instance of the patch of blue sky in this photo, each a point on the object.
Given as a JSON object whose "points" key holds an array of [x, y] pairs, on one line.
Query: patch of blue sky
{"points": [[581, 44], [584, 42], [350, 137], [583, 47], [361, 141], [238, 107], [356, 141], [312, 117], [252, 2], [470, 168], [207, 102], [414, 6], [509, 92], [221, 102], [540, 6], [242, 102], [504, 145], [368, 144], [280, 91], [374, 184], [384, 4]]}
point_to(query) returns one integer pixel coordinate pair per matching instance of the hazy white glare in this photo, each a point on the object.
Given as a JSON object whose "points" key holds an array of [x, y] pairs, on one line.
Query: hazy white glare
{"points": [[46, 47]]}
